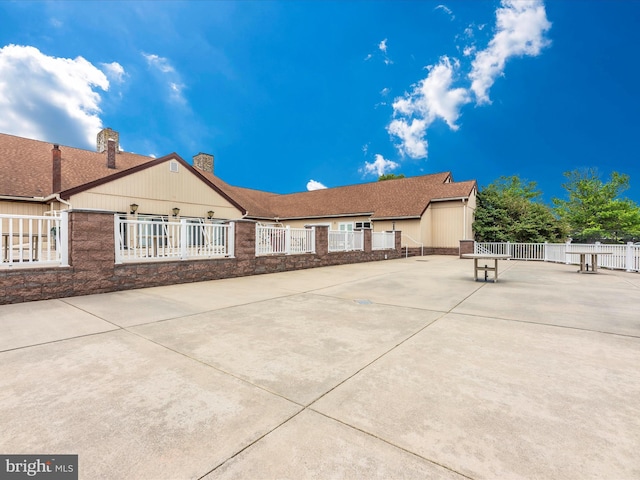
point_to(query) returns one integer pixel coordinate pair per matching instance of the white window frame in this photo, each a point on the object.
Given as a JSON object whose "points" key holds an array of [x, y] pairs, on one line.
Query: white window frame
{"points": [[346, 226]]}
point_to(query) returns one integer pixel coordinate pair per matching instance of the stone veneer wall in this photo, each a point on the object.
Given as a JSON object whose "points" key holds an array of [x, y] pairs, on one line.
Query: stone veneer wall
{"points": [[93, 270], [466, 246]]}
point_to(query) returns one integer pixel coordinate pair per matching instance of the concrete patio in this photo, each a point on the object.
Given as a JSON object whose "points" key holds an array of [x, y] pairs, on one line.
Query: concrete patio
{"points": [[395, 369]]}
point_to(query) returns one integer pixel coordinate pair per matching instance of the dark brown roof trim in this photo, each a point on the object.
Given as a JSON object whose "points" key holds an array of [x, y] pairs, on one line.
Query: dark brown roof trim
{"points": [[333, 215]]}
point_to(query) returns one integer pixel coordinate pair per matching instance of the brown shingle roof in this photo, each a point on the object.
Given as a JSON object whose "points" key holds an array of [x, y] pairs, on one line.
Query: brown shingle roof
{"points": [[27, 169], [27, 172], [406, 197]]}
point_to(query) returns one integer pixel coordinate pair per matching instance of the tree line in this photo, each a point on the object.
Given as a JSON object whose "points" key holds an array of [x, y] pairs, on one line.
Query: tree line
{"points": [[511, 209]]}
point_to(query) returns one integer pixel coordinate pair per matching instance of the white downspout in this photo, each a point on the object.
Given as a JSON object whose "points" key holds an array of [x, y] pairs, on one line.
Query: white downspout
{"points": [[464, 219]]}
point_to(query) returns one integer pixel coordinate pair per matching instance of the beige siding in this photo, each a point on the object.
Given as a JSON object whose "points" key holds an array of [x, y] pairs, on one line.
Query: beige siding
{"points": [[471, 211], [410, 228], [448, 223], [157, 191], [334, 222], [425, 228], [23, 208]]}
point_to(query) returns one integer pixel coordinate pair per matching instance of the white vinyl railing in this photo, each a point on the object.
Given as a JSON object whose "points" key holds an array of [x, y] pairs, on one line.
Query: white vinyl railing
{"points": [[273, 240], [383, 240], [618, 257], [346, 241], [34, 240], [405, 244], [156, 238]]}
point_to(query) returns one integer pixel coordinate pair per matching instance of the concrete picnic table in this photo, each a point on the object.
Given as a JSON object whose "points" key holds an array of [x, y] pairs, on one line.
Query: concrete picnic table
{"points": [[584, 268], [486, 268]]}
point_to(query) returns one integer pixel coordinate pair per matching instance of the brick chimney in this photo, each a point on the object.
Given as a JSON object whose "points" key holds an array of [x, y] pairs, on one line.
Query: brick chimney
{"points": [[111, 153], [56, 155], [204, 162], [103, 138]]}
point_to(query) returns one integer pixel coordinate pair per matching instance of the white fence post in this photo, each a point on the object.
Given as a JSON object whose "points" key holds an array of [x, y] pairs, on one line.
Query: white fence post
{"points": [[629, 263], [287, 241], [313, 239], [63, 228], [231, 239], [183, 239], [117, 243]]}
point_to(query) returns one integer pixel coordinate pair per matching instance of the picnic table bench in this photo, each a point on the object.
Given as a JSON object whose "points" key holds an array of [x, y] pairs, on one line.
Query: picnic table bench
{"points": [[584, 267], [486, 268]]}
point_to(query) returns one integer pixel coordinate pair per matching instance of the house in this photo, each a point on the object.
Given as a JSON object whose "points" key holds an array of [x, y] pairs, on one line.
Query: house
{"points": [[43, 178], [432, 211]]}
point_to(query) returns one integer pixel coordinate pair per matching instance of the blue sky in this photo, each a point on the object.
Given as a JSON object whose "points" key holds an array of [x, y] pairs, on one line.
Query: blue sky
{"points": [[290, 95]]}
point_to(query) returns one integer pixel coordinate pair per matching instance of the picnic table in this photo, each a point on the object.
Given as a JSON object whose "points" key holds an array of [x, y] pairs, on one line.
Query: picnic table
{"points": [[486, 268], [584, 267]]}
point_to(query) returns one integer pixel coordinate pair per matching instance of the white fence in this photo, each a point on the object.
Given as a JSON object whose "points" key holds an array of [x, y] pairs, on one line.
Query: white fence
{"points": [[383, 240], [156, 238], [30, 241], [345, 241], [619, 257], [272, 240]]}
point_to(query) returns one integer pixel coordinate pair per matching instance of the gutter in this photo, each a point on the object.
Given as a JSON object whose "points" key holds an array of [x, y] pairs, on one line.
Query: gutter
{"points": [[336, 215], [53, 196], [406, 217], [450, 199]]}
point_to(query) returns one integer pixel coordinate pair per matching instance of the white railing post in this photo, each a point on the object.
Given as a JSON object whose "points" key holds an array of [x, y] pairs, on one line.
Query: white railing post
{"points": [[287, 241], [629, 258], [183, 239], [117, 242], [544, 252], [313, 239], [231, 239], [63, 245], [566, 250]]}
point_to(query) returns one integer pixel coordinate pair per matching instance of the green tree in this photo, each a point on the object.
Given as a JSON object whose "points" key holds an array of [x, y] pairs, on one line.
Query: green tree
{"points": [[594, 209], [509, 210], [390, 176]]}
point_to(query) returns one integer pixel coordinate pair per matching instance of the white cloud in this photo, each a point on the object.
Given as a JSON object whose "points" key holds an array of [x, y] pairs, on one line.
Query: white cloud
{"points": [[174, 84], [469, 50], [520, 30], [447, 10], [313, 185], [365, 148], [158, 62], [368, 57], [114, 71], [382, 46], [385, 91], [380, 166], [412, 137], [57, 103], [432, 98]]}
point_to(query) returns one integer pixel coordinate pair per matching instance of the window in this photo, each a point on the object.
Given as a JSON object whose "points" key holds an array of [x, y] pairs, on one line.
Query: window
{"points": [[173, 167], [345, 226], [363, 225]]}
